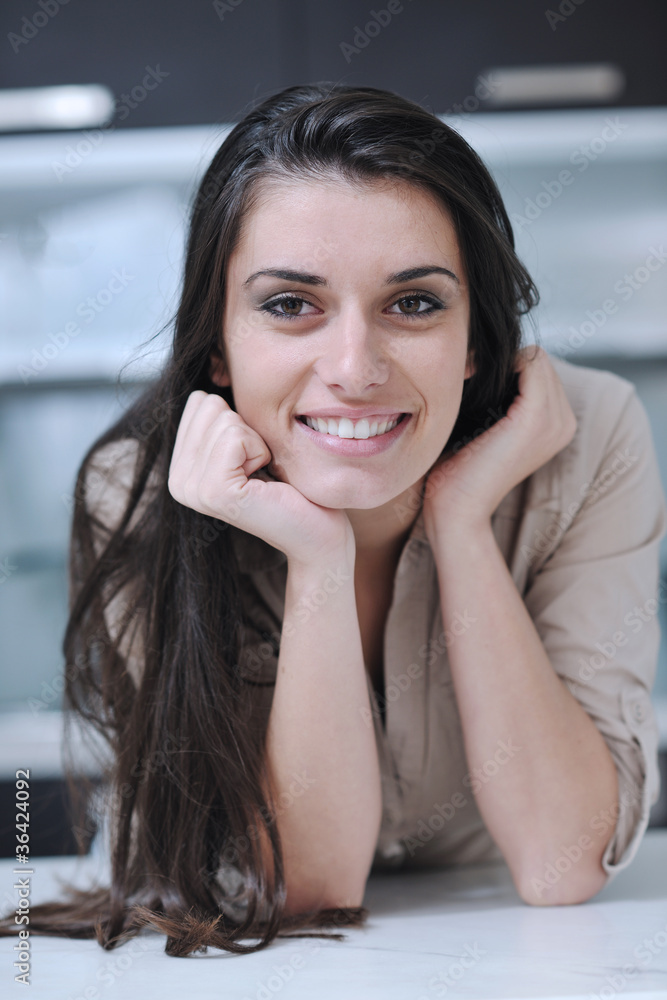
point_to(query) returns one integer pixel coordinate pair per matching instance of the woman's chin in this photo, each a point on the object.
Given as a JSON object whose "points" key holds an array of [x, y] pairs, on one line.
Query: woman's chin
{"points": [[341, 497]]}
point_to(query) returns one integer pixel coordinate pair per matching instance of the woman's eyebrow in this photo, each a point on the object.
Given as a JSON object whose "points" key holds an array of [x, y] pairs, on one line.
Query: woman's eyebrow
{"points": [[303, 277], [279, 272], [412, 273]]}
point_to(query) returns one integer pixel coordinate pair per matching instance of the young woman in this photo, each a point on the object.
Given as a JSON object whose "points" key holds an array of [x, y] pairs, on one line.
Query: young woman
{"points": [[360, 582]]}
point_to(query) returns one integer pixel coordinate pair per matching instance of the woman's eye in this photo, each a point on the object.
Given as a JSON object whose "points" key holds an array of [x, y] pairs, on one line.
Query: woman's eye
{"points": [[292, 304], [413, 305]]}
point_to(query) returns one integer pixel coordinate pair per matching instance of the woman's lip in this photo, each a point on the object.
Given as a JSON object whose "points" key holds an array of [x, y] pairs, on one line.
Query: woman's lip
{"points": [[355, 447], [354, 415]]}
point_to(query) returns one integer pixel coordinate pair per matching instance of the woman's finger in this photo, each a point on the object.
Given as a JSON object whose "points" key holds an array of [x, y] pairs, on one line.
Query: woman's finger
{"points": [[195, 420], [231, 448], [194, 445], [192, 406]]}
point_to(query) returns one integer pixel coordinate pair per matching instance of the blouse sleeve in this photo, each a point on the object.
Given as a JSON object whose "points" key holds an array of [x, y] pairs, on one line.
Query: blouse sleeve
{"points": [[595, 605]]}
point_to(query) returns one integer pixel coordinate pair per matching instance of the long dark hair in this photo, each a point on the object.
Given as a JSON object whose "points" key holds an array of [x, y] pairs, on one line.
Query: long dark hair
{"points": [[184, 768]]}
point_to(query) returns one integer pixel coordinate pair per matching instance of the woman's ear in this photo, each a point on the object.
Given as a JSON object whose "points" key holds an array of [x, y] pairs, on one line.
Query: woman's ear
{"points": [[217, 369], [470, 365]]}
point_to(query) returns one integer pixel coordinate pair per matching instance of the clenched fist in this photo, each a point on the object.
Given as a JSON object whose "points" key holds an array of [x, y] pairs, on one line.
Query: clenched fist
{"points": [[215, 469]]}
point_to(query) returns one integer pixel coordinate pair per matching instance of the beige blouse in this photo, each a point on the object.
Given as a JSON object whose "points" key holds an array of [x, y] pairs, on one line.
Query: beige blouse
{"points": [[581, 539]]}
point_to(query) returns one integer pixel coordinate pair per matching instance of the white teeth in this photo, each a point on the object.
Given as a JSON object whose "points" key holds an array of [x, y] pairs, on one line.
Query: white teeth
{"points": [[345, 428]]}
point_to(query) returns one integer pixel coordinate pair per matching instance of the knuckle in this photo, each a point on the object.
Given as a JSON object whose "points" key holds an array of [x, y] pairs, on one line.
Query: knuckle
{"points": [[211, 406]]}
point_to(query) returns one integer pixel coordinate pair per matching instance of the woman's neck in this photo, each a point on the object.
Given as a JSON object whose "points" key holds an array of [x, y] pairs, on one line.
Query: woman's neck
{"points": [[381, 532]]}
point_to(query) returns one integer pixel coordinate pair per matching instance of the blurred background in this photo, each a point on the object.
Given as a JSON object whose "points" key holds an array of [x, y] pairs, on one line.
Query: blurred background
{"points": [[110, 112]]}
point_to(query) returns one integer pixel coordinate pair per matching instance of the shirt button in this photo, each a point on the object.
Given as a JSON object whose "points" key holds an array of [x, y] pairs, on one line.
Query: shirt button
{"points": [[639, 712]]}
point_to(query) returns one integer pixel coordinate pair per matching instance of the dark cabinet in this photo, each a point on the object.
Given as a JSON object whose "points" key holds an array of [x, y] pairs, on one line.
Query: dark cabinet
{"points": [[179, 62]]}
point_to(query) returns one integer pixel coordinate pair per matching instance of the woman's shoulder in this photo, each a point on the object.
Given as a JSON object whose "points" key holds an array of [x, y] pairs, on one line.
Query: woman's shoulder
{"points": [[109, 476], [609, 415], [115, 460], [592, 392], [605, 483]]}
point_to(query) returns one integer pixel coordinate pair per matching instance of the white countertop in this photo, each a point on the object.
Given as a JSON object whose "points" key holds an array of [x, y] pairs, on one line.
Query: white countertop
{"points": [[420, 925]]}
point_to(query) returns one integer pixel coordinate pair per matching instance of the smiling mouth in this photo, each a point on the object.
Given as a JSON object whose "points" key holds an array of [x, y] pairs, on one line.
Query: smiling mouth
{"points": [[343, 427]]}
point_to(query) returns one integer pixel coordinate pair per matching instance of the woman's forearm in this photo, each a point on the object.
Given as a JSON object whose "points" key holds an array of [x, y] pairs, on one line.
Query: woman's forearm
{"points": [[538, 794], [317, 737]]}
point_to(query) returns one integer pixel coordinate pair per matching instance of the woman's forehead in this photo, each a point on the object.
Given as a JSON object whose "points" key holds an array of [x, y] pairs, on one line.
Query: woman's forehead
{"points": [[284, 190], [297, 215]]}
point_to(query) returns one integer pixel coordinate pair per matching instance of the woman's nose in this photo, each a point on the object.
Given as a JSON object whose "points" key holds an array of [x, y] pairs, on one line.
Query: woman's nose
{"points": [[354, 358]]}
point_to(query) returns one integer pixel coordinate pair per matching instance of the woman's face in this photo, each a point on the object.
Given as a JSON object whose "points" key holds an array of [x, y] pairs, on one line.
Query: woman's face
{"points": [[343, 334]]}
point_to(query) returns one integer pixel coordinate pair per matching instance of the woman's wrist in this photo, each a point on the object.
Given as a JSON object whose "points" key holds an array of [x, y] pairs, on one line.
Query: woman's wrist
{"points": [[455, 532], [455, 539], [338, 562]]}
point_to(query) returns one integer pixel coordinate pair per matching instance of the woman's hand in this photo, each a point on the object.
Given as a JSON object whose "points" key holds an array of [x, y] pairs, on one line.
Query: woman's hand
{"points": [[215, 470], [464, 488]]}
